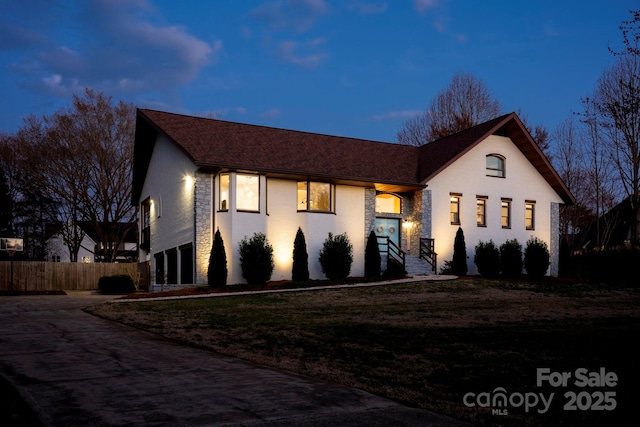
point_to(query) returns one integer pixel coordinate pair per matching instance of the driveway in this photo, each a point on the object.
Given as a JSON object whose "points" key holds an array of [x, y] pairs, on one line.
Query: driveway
{"points": [[76, 369]]}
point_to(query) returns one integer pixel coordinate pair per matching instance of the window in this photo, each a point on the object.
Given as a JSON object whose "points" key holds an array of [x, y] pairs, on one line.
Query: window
{"points": [[529, 214], [388, 203], [506, 213], [145, 236], [455, 208], [495, 165], [315, 196], [481, 211], [224, 192], [248, 193]]}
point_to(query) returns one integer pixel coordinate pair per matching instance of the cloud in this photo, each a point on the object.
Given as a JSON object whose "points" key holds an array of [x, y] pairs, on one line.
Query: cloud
{"points": [[118, 46], [367, 8], [302, 54], [293, 15], [270, 114], [394, 115], [423, 5]]}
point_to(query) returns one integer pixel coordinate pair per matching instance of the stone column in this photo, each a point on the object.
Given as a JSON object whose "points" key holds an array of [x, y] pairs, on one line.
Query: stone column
{"points": [[554, 239], [203, 221]]}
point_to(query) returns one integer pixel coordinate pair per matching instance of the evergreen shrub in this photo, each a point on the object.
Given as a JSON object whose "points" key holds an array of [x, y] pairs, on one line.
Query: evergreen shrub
{"points": [[217, 272], [372, 258], [459, 261], [511, 258], [300, 270], [487, 259], [117, 284], [536, 258], [336, 256], [256, 259]]}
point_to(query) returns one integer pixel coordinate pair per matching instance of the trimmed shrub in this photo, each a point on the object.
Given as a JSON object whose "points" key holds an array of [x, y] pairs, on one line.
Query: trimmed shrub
{"points": [[536, 258], [217, 273], [511, 258], [300, 271], [256, 259], [115, 285], [459, 261], [487, 259], [372, 259], [336, 257]]}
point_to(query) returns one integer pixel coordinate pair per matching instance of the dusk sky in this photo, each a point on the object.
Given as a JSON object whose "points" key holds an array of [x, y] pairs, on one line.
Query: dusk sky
{"points": [[355, 68]]}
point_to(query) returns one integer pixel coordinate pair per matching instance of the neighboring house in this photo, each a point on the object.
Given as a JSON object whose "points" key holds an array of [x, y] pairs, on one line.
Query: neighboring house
{"points": [[90, 249], [193, 176]]}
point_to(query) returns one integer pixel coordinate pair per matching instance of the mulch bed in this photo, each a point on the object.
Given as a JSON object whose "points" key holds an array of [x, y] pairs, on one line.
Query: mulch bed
{"points": [[22, 293]]}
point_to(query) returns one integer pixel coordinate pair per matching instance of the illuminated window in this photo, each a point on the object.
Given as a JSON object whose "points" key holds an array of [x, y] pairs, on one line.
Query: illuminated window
{"points": [[455, 208], [388, 203], [315, 196], [529, 215], [495, 166], [224, 192], [248, 193], [481, 211], [506, 213]]}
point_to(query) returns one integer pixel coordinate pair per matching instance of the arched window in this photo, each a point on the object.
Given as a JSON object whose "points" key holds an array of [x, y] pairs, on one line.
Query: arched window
{"points": [[388, 203], [496, 165]]}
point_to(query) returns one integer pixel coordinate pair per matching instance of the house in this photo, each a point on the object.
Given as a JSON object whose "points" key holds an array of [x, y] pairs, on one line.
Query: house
{"points": [[91, 249], [193, 176]]}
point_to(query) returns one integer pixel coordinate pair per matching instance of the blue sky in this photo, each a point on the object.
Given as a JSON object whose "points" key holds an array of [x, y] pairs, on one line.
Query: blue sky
{"points": [[356, 68]]}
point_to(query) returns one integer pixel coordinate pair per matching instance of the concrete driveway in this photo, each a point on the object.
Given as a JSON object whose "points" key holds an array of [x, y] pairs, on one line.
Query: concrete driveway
{"points": [[75, 369]]}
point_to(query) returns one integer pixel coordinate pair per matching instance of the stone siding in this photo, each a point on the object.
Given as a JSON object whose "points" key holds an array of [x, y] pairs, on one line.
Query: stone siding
{"points": [[203, 217]]}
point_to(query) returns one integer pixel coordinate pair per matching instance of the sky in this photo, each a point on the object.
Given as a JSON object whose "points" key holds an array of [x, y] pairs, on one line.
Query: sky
{"points": [[357, 68]]}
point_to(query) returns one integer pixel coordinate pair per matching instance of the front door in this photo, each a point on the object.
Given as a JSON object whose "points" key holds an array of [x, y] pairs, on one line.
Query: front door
{"points": [[388, 227]]}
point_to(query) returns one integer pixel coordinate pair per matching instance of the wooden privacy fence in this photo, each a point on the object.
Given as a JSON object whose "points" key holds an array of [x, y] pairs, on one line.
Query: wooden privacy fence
{"points": [[51, 276]]}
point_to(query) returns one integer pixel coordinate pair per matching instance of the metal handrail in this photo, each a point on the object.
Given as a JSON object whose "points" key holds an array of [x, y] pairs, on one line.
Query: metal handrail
{"points": [[393, 251], [428, 253]]}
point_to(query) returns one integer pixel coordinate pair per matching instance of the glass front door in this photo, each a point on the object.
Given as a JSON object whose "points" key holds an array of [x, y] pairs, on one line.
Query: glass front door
{"points": [[388, 227]]}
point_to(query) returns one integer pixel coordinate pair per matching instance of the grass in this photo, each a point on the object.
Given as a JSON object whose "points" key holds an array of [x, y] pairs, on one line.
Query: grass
{"points": [[425, 344]]}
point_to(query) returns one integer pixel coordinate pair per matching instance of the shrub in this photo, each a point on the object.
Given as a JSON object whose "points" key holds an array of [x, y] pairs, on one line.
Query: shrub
{"points": [[217, 273], [620, 266], [300, 271], [565, 268], [447, 268], [372, 257], [511, 258], [256, 259], [487, 259], [459, 261], [336, 256], [118, 284], [536, 258]]}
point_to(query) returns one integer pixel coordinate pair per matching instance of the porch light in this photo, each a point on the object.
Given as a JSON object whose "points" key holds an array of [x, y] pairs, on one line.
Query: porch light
{"points": [[408, 225], [188, 181]]}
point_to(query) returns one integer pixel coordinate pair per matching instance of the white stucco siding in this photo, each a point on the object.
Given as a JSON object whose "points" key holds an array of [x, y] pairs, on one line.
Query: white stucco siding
{"points": [[169, 184], [279, 220], [467, 176]]}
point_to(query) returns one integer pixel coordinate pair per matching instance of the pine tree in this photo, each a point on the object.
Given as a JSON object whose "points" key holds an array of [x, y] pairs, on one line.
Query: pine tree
{"points": [[300, 271], [372, 257], [217, 274], [459, 262]]}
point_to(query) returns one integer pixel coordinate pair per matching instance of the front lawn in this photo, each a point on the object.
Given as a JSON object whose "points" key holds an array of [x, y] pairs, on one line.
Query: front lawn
{"points": [[433, 345]]}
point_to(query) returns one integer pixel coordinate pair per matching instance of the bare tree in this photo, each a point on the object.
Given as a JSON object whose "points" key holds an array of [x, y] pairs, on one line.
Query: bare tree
{"points": [[81, 159], [466, 102], [616, 102]]}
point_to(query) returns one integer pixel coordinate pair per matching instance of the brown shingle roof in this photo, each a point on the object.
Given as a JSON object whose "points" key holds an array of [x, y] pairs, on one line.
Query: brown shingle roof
{"points": [[218, 145]]}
